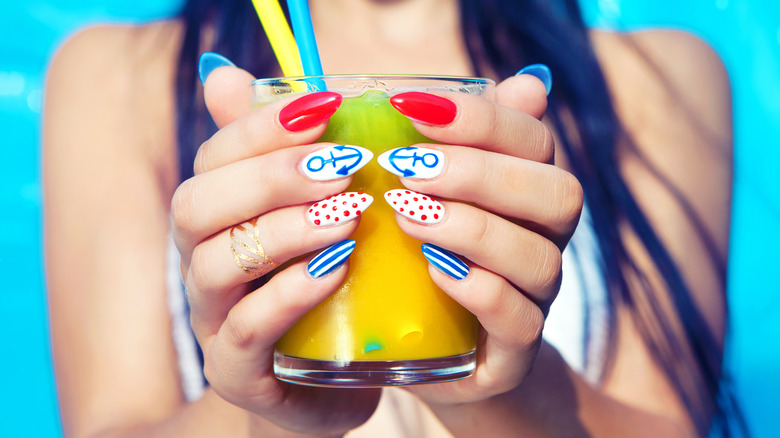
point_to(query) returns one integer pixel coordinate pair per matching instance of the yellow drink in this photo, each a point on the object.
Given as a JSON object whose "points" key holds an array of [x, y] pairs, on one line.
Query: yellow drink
{"points": [[388, 314], [389, 308]]}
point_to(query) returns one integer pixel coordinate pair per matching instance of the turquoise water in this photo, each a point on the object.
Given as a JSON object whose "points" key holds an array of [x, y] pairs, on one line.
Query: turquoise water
{"points": [[745, 33]]}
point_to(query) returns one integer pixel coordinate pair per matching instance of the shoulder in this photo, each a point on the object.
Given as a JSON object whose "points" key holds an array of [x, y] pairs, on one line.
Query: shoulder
{"points": [[681, 54], [117, 77], [114, 55], [672, 95], [665, 74], [660, 44]]}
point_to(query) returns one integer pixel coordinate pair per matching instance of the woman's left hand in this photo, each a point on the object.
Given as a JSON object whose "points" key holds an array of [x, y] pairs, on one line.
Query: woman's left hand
{"points": [[512, 211]]}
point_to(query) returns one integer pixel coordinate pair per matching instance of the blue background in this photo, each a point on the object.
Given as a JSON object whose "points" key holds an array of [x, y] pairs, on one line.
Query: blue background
{"points": [[746, 33]]}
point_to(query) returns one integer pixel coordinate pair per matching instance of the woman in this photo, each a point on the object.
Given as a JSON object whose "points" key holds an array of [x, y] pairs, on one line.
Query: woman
{"points": [[648, 141]]}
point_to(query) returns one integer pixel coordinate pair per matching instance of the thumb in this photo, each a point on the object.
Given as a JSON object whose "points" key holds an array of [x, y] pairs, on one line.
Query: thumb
{"points": [[526, 91], [226, 88]]}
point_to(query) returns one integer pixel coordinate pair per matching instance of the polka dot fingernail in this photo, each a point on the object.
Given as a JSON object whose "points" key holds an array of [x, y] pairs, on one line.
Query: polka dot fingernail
{"points": [[339, 209], [415, 206]]}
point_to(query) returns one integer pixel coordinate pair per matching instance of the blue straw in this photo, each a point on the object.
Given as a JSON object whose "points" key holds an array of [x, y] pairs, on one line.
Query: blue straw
{"points": [[300, 16]]}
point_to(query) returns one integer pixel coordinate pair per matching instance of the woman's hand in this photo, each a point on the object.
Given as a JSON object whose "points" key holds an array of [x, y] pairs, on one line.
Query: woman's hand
{"points": [[516, 213], [243, 215]]}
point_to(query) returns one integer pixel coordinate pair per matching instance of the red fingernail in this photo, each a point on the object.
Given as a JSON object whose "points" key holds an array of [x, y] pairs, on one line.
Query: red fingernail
{"points": [[424, 107], [309, 110]]}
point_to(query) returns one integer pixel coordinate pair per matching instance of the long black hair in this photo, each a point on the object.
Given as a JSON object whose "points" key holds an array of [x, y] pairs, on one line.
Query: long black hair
{"points": [[501, 36]]}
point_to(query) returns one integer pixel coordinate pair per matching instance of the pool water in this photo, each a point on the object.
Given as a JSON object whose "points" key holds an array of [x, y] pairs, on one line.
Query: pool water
{"points": [[746, 33]]}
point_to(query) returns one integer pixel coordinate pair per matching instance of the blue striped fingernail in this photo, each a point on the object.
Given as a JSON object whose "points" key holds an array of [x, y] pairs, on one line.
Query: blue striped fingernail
{"points": [[327, 261], [445, 261]]}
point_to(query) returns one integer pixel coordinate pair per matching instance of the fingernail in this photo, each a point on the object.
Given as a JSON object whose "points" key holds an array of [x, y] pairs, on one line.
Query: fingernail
{"points": [[445, 261], [210, 61], [335, 162], [334, 256], [415, 206], [541, 71], [309, 111], [339, 209], [413, 162], [425, 107]]}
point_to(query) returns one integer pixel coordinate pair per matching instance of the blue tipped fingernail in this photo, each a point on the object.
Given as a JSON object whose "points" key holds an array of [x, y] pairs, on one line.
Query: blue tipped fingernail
{"points": [[334, 256], [541, 71], [445, 261], [210, 61]]}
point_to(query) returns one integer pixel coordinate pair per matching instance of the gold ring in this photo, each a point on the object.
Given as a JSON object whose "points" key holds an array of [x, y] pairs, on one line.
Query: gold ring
{"points": [[247, 251]]}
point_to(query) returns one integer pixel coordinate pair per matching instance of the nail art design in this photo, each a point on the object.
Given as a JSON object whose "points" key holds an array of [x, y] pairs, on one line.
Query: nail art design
{"points": [[339, 209], [413, 162], [210, 61], [335, 162], [541, 71], [425, 107], [334, 256], [309, 111], [415, 206], [445, 261]]}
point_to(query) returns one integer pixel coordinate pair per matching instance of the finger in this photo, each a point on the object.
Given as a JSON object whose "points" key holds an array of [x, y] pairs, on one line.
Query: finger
{"points": [[545, 198], [524, 258], [239, 357], [524, 93], [295, 120], [211, 202], [227, 94], [233, 257], [513, 326], [469, 120]]}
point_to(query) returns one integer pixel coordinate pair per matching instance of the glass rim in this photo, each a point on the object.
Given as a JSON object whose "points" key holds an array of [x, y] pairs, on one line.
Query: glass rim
{"points": [[408, 77]]}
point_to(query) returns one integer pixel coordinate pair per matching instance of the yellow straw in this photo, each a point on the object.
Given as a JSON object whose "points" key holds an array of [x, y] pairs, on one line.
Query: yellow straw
{"points": [[280, 36]]}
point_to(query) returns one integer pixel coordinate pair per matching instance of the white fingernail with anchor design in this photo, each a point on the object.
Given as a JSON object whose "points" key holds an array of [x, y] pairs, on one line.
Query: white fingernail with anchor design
{"points": [[413, 162], [335, 162]]}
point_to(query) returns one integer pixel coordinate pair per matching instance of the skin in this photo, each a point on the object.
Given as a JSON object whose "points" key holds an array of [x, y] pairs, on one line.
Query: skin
{"points": [[109, 114]]}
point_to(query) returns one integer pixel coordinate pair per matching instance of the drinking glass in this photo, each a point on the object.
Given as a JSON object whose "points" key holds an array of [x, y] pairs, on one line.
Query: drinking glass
{"points": [[388, 324]]}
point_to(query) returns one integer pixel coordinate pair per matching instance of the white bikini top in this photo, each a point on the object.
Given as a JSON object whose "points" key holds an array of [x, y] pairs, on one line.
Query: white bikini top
{"points": [[577, 326], [578, 322]]}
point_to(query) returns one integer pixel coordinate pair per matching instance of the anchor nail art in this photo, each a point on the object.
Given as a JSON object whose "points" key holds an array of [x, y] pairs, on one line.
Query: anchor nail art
{"points": [[334, 256], [413, 162], [335, 162], [339, 209], [445, 261], [415, 206]]}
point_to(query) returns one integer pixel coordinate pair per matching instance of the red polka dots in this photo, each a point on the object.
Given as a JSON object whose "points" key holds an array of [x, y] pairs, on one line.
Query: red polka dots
{"points": [[415, 206], [342, 207]]}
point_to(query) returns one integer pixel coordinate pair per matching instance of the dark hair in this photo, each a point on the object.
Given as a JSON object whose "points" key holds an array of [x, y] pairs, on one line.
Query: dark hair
{"points": [[501, 36]]}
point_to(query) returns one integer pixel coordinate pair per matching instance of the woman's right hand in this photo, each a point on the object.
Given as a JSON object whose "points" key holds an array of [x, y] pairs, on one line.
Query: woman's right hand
{"points": [[248, 188]]}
